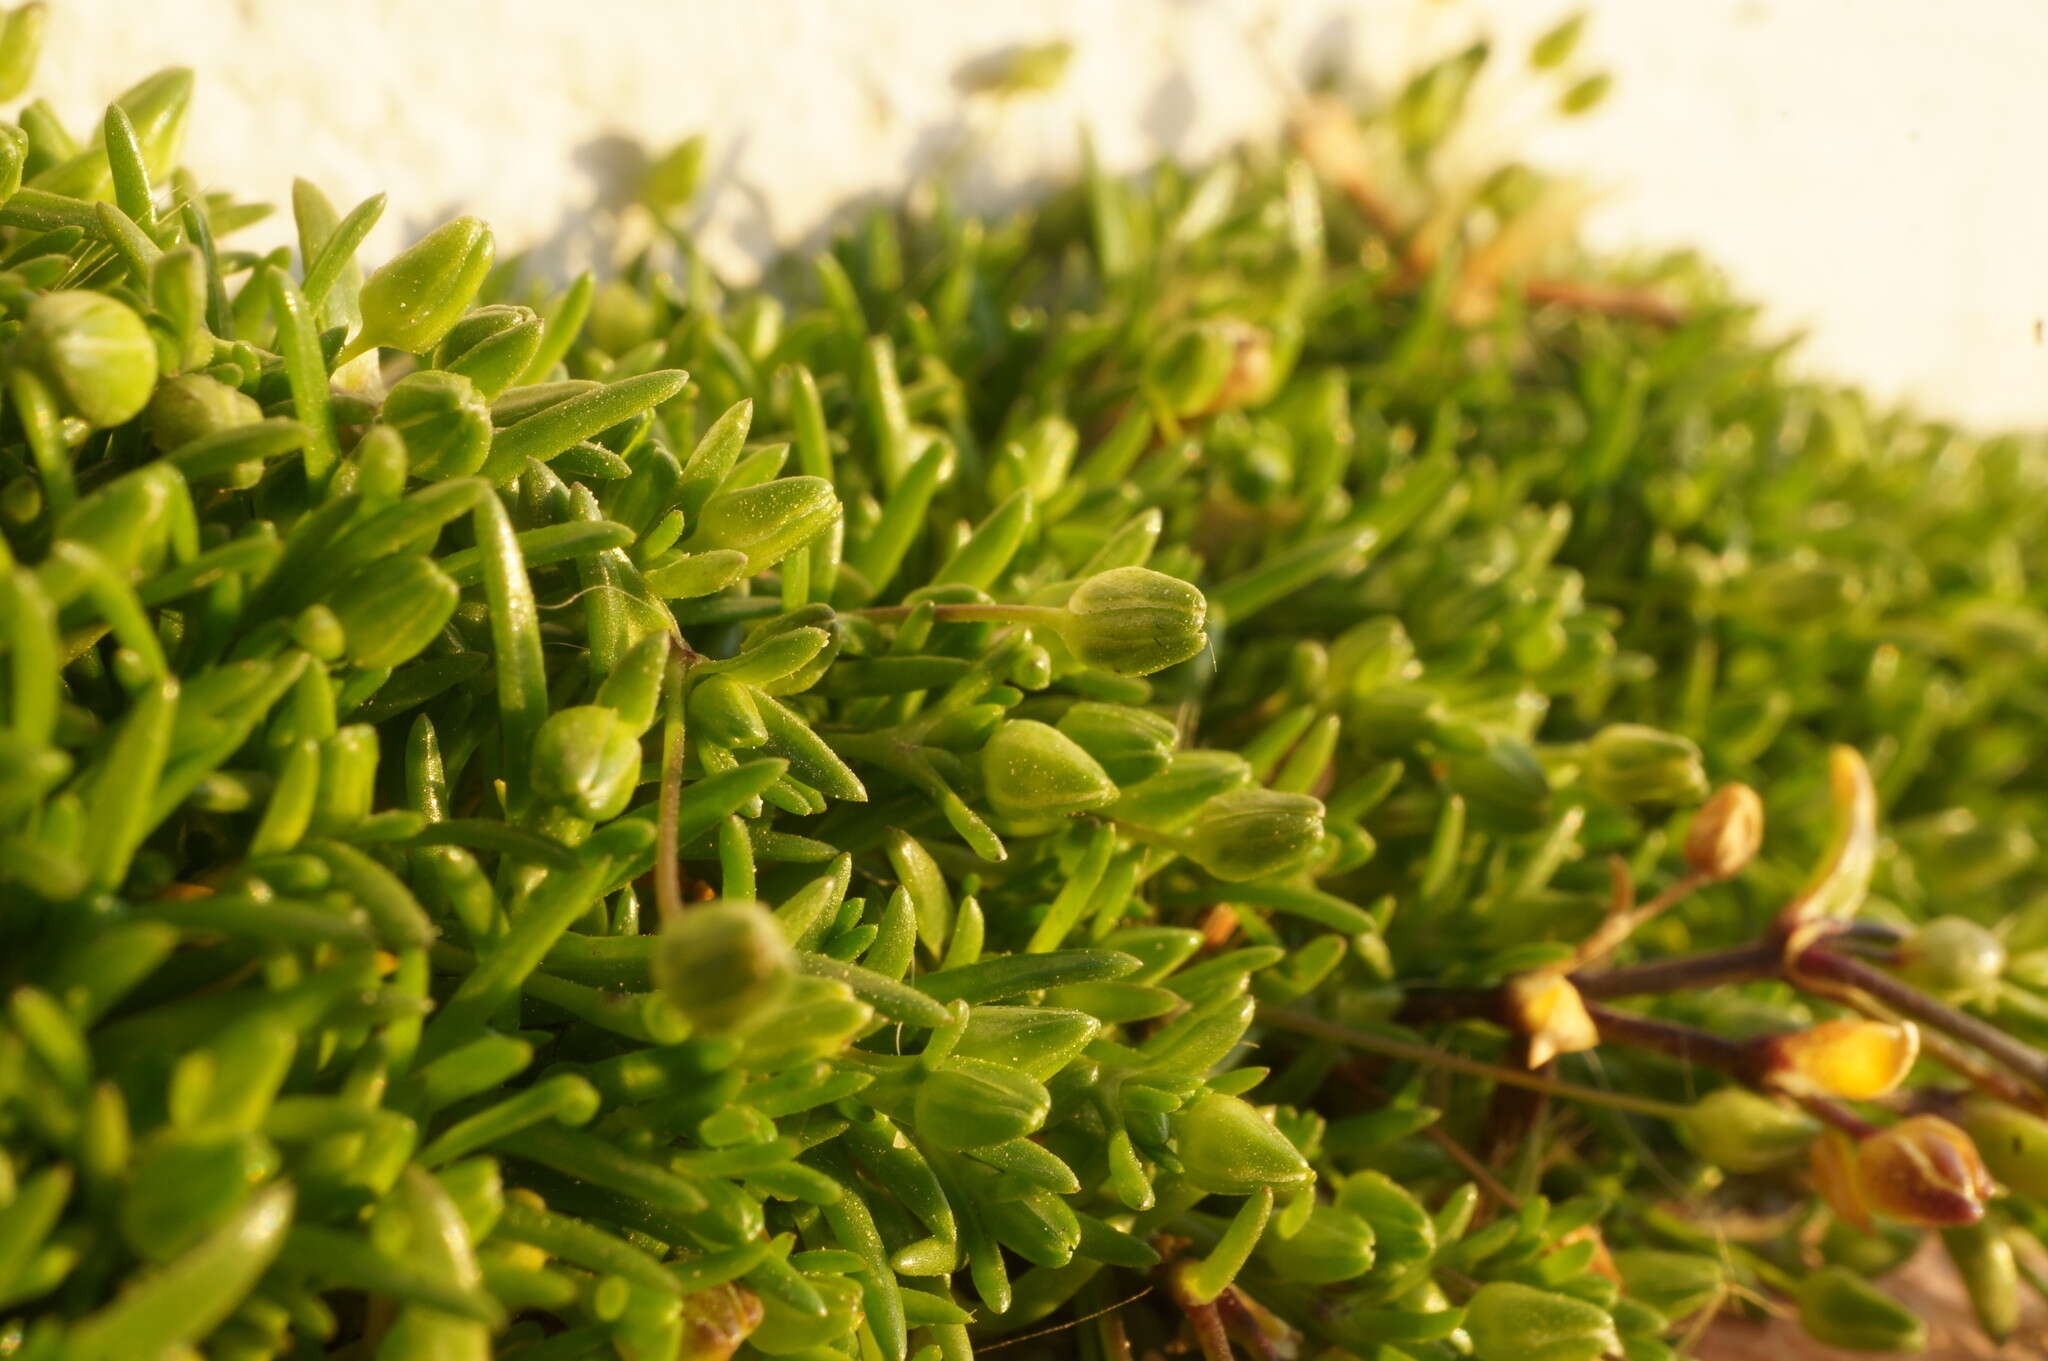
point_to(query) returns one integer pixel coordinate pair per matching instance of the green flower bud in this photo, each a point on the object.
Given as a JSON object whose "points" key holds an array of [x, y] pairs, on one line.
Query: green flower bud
{"points": [[1633, 764], [724, 711], [93, 352], [671, 179], [21, 43], [1954, 958], [1335, 1245], [971, 1103], [1033, 773], [13, 154], [1129, 744], [1187, 368], [787, 1330], [585, 759], [621, 316], [1675, 1284], [419, 294], [320, 633], [1176, 794], [1035, 1041], [1251, 833], [1134, 621], [1228, 1148], [192, 405], [1984, 1260], [2012, 1142], [392, 608], [1841, 1309], [186, 1183], [177, 287], [723, 963], [1504, 779], [1508, 1321], [445, 422], [1741, 1131], [766, 521], [492, 346]]}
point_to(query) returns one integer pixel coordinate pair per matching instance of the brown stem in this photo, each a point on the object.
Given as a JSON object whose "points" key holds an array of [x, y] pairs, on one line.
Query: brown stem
{"points": [[1684, 1043], [1737, 965], [1301, 1023]]}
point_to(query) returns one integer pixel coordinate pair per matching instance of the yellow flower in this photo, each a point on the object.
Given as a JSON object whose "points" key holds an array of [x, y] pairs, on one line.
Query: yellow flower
{"points": [[1544, 1007], [1851, 1059]]}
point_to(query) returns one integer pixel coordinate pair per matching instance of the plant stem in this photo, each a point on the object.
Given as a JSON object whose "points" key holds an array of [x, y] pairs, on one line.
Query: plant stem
{"points": [[963, 613], [1684, 1043], [1739, 964], [1316, 1027]]}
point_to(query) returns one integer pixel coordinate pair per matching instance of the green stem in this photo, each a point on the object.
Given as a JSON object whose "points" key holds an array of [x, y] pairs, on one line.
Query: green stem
{"points": [[968, 613], [1318, 1028]]}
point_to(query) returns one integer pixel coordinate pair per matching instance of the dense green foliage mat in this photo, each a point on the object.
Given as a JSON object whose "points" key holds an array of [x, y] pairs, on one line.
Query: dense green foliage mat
{"points": [[1263, 759]]}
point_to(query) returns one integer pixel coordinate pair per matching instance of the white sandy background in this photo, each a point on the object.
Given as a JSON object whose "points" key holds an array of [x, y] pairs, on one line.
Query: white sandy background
{"points": [[1871, 168]]}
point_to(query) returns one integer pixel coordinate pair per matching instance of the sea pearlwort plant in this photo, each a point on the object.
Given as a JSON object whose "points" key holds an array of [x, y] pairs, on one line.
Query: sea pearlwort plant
{"points": [[1227, 765]]}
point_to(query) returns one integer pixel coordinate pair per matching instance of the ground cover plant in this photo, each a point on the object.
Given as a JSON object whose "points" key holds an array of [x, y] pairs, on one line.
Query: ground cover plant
{"points": [[1264, 759]]}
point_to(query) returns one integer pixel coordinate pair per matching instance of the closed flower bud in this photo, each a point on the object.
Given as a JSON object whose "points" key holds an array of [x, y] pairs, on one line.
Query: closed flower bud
{"points": [[1134, 621], [1633, 764], [1675, 1284], [193, 405], [487, 344], [1547, 1011], [1923, 1171], [392, 608], [1725, 833], [1504, 779], [1226, 1147], [1335, 1245], [1176, 794], [766, 521], [319, 632], [1850, 1059], [93, 352], [1130, 744], [1508, 1321], [786, 1329], [723, 963], [2013, 1142], [621, 316], [724, 711], [1187, 369], [1831, 1162], [419, 294], [1842, 1309], [444, 421], [13, 152], [587, 760], [21, 43], [973, 1103], [1252, 833], [1033, 772], [1985, 1263], [1954, 958], [1740, 1131]]}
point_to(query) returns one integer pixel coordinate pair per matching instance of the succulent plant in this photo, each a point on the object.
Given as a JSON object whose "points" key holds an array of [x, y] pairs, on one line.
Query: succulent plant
{"points": [[1070, 785]]}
